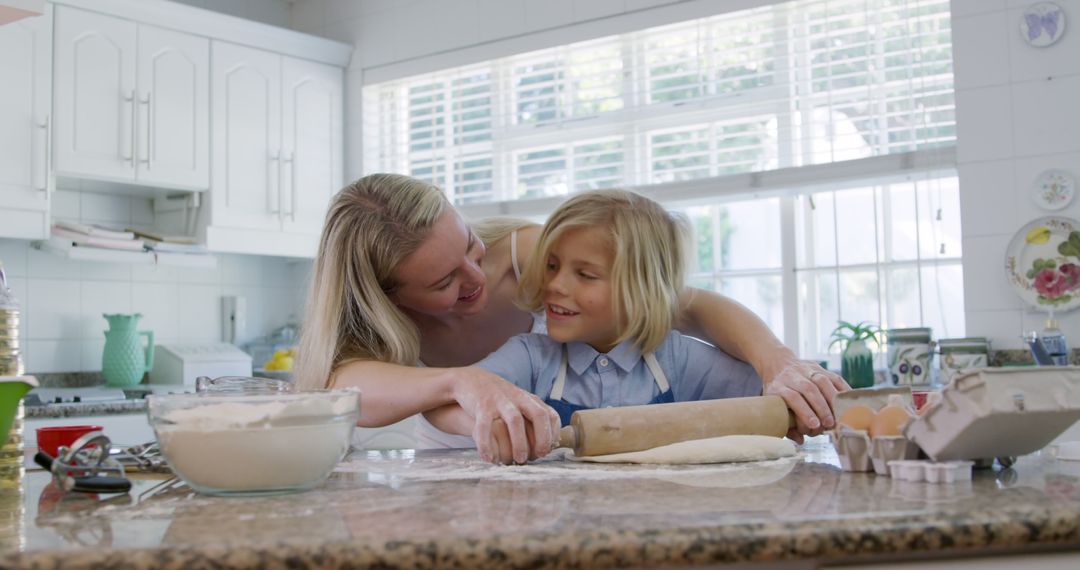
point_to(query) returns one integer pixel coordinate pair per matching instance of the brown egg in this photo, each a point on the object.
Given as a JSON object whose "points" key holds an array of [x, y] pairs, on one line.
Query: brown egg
{"points": [[889, 421], [857, 417]]}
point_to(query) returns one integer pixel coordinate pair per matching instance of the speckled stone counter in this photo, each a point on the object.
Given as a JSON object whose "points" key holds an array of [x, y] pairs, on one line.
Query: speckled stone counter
{"points": [[446, 509], [86, 409]]}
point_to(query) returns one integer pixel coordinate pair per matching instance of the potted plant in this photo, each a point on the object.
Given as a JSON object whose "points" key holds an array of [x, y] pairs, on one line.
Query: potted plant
{"points": [[856, 359]]}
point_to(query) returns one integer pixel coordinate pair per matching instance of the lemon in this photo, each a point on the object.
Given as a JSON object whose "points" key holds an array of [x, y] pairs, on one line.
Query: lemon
{"points": [[1039, 235]]}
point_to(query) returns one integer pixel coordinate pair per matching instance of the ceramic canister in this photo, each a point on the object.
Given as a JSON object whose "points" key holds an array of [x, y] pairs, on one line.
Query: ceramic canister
{"points": [[958, 354], [909, 353]]}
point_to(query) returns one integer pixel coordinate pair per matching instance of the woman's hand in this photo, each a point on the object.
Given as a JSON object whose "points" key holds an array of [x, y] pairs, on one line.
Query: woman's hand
{"points": [[487, 398], [808, 390]]}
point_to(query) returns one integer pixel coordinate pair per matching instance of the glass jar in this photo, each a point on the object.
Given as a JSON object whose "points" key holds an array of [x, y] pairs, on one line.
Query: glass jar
{"points": [[957, 354], [909, 352]]}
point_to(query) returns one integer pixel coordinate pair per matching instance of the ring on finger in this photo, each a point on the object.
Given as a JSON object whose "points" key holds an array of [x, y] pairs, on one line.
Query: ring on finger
{"points": [[814, 374]]}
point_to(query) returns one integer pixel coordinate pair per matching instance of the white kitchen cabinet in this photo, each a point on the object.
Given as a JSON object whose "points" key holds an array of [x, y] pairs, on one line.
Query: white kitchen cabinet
{"points": [[312, 148], [131, 102], [174, 109], [278, 128], [25, 179], [246, 188]]}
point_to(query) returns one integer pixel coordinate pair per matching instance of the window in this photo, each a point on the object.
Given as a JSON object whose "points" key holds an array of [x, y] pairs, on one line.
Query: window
{"points": [[810, 142]]}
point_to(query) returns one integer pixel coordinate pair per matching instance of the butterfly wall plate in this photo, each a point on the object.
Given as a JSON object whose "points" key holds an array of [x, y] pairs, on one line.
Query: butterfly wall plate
{"points": [[1042, 24], [1042, 263]]}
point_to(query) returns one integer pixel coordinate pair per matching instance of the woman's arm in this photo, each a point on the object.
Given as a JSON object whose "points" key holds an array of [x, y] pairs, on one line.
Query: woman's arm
{"points": [[390, 393], [806, 388]]}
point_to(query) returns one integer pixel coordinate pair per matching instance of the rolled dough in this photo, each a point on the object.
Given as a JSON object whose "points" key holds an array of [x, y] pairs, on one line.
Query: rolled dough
{"points": [[726, 449]]}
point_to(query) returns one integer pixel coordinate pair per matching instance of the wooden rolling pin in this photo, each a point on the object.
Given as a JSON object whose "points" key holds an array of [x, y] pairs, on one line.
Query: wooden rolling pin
{"points": [[634, 428]]}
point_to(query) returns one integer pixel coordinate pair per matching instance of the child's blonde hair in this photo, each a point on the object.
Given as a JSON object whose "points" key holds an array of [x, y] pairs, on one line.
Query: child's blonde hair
{"points": [[372, 225], [649, 245]]}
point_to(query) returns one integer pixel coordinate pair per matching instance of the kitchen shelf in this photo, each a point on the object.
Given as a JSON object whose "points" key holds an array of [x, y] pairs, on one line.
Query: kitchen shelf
{"points": [[131, 257]]}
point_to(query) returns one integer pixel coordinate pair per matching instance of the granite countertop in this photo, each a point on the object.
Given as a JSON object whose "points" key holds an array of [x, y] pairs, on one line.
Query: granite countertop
{"points": [[447, 509]]}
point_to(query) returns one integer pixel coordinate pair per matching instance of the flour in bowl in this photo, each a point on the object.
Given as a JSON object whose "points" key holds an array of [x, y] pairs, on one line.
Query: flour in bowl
{"points": [[254, 444]]}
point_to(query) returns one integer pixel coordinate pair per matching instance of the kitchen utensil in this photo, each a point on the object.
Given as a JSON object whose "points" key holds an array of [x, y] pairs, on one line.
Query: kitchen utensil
{"points": [[604, 431], [86, 466], [999, 413], [1042, 263], [50, 439], [254, 444], [125, 361], [242, 385], [12, 390]]}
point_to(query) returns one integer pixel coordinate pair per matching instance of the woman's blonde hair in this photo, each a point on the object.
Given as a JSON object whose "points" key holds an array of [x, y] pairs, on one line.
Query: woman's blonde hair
{"points": [[649, 245], [372, 225], [495, 229]]}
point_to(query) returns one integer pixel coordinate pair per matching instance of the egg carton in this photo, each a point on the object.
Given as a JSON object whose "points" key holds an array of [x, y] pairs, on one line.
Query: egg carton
{"points": [[859, 452], [930, 471], [923, 492]]}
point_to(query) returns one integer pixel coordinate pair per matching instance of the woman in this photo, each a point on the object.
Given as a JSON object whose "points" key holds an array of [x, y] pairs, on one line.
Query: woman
{"points": [[400, 279]]}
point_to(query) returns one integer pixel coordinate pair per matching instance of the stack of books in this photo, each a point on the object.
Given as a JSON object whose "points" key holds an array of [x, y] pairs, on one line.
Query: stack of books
{"points": [[66, 235], [168, 244]]}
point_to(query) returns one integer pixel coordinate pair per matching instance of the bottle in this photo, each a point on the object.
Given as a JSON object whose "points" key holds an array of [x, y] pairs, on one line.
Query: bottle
{"points": [[10, 359], [1054, 343], [11, 457]]}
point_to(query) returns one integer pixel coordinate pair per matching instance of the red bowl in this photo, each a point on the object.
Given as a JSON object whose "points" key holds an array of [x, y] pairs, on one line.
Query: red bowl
{"points": [[50, 439]]}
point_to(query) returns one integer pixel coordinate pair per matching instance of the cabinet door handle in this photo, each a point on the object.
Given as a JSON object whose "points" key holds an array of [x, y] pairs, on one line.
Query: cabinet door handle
{"points": [[272, 167], [130, 156], [149, 132], [46, 156], [292, 185]]}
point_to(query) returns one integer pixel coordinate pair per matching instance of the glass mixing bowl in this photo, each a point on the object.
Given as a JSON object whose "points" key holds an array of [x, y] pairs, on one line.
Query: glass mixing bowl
{"points": [[254, 444]]}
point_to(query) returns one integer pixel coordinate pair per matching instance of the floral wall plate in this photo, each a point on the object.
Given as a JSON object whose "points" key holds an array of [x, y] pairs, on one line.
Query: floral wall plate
{"points": [[1054, 189], [1042, 24], [1043, 263]]}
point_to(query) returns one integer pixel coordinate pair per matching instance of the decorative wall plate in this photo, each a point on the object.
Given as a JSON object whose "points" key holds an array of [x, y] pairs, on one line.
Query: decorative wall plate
{"points": [[1054, 189], [1042, 263], [1042, 24]]}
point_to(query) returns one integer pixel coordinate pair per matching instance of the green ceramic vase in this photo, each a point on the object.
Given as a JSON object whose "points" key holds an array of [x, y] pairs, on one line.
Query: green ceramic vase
{"points": [[125, 361], [857, 365]]}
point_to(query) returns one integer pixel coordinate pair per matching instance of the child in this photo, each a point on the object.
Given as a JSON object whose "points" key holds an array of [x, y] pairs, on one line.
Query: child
{"points": [[607, 272]]}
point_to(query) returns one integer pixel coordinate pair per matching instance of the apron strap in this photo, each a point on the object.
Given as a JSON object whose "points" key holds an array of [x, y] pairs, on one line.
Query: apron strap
{"points": [[657, 372], [513, 255], [650, 361], [560, 379]]}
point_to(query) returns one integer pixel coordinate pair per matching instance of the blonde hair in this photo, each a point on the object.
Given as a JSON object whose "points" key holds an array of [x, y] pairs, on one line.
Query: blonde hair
{"points": [[649, 245], [495, 229], [372, 225]]}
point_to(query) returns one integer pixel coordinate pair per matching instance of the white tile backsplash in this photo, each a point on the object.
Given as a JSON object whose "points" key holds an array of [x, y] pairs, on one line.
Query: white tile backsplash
{"points": [[986, 191], [53, 356], [984, 123], [970, 7], [201, 314], [981, 50], [62, 301], [159, 305], [986, 287], [100, 298], [54, 309], [1002, 328], [1046, 116]]}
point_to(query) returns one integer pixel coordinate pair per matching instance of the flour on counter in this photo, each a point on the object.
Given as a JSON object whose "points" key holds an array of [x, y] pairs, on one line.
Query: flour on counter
{"points": [[556, 466]]}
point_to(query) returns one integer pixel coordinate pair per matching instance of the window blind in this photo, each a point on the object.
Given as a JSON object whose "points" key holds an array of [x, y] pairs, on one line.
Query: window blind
{"points": [[805, 82]]}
